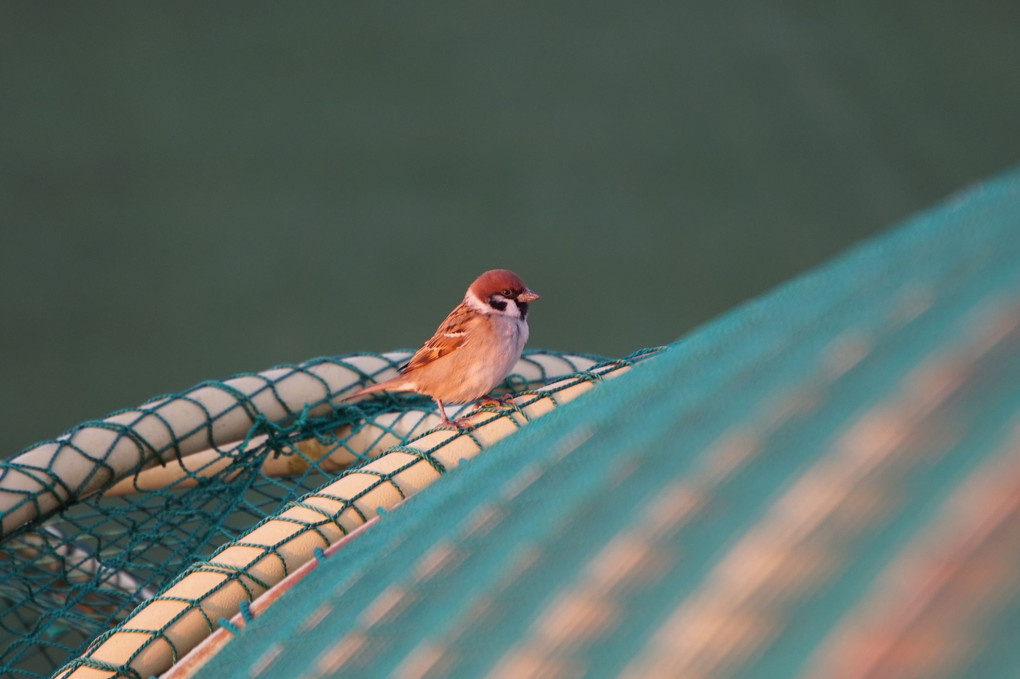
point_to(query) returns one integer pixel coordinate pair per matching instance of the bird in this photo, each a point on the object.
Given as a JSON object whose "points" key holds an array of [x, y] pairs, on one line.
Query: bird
{"points": [[474, 348]]}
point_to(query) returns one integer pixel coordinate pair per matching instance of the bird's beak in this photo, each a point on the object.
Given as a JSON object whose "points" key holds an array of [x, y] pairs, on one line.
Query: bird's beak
{"points": [[527, 296]]}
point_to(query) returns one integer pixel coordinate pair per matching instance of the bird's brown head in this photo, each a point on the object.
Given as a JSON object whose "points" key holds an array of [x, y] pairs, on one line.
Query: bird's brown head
{"points": [[499, 286]]}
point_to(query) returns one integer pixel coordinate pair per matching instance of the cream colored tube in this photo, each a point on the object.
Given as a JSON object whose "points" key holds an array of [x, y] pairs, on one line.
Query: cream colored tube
{"points": [[87, 458], [172, 623], [383, 431], [43, 479]]}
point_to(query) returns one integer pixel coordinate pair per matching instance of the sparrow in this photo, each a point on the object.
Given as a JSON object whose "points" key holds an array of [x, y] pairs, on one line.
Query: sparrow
{"points": [[475, 347]]}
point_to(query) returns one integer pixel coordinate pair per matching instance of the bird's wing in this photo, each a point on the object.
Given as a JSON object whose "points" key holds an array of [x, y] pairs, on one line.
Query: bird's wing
{"points": [[453, 333]]}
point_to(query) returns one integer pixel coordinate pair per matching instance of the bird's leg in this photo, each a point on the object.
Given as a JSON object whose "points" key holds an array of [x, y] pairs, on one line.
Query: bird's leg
{"points": [[446, 420]]}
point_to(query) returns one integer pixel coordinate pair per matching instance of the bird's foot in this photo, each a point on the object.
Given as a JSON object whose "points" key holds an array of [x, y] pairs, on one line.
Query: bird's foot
{"points": [[494, 402], [454, 424]]}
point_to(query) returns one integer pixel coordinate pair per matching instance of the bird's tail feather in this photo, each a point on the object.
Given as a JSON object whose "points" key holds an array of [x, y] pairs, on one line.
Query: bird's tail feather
{"points": [[393, 384]]}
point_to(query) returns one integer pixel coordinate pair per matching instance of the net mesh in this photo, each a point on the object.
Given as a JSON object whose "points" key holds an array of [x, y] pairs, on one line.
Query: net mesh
{"points": [[772, 499], [822, 483], [97, 546]]}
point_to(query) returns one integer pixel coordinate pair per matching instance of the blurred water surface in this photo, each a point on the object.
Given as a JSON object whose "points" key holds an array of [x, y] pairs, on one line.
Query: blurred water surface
{"points": [[192, 190]]}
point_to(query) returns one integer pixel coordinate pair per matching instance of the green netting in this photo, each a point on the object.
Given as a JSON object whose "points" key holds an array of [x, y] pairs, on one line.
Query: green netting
{"points": [[91, 551], [825, 482]]}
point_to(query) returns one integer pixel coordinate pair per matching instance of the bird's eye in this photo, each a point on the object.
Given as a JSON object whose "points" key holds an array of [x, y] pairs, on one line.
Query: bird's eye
{"points": [[506, 292]]}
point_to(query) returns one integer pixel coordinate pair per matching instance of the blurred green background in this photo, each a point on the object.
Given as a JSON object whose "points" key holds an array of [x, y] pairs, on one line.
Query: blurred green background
{"points": [[190, 190]]}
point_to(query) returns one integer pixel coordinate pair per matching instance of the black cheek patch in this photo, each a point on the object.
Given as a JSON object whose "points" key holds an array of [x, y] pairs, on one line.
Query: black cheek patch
{"points": [[497, 304]]}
